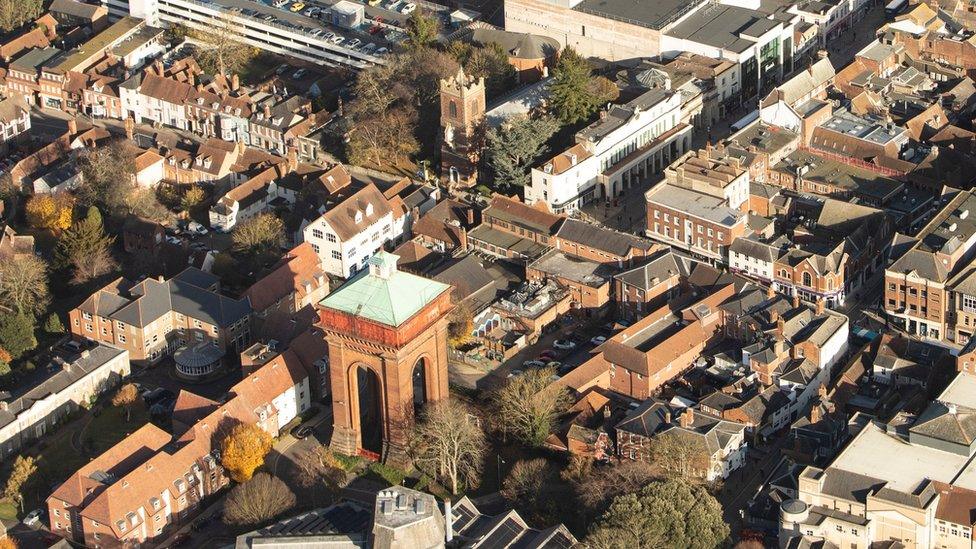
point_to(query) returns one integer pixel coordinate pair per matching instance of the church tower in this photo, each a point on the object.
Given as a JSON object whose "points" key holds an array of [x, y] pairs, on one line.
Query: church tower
{"points": [[387, 335], [462, 118]]}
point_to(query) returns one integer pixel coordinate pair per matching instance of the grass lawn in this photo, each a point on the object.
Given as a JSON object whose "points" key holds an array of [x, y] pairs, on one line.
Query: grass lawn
{"points": [[111, 426], [8, 510]]}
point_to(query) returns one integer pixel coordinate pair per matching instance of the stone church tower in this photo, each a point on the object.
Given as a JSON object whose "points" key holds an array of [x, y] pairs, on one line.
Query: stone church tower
{"points": [[462, 120], [387, 335]]}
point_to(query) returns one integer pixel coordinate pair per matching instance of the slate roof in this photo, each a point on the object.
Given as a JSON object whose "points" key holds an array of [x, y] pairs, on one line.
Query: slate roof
{"points": [[849, 486], [189, 293], [601, 238], [956, 425], [63, 376], [661, 267]]}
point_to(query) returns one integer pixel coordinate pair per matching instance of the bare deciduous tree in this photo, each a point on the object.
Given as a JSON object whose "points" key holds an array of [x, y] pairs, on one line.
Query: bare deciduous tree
{"points": [[529, 405], [599, 488], [23, 285], [449, 443], [680, 455], [224, 53], [258, 501]]}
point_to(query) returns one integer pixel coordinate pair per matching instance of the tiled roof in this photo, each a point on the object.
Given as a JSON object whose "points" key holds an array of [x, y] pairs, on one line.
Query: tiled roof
{"points": [[299, 271], [514, 211], [357, 212]]}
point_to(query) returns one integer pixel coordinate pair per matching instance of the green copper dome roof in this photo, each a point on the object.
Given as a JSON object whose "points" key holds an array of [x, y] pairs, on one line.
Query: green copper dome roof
{"points": [[383, 294]]}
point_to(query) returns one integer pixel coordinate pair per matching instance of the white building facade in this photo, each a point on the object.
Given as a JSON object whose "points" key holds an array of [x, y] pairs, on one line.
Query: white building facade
{"points": [[610, 156]]}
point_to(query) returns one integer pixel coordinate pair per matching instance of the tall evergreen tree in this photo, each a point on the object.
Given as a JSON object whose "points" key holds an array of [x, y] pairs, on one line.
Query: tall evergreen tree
{"points": [[85, 248], [516, 145]]}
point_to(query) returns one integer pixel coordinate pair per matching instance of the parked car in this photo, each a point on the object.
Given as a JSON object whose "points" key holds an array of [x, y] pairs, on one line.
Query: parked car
{"points": [[598, 340], [564, 345], [181, 539], [514, 373], [408, 8], [297, 75], [354, 43], [279, 3], [302, 431], [174, 240], [196, 228], [297, 7], [34, 517], [336, 39], [548, 354], [554, 364], [533, 364]]}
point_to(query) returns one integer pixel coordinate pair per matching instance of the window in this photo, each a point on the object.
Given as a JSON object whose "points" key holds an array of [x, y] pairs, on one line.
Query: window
{"points": [[315, 248], [317, 233], [336, 255], [331, 237], [969, 303], [121, 338]]}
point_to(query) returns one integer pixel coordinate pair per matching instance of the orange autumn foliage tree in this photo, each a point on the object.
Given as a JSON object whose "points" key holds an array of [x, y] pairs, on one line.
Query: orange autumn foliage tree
{"points": [[244, 450], [52, 212]]}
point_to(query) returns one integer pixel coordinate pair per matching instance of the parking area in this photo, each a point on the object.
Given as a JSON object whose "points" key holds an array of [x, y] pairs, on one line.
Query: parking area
{"points": [[563, 349]]}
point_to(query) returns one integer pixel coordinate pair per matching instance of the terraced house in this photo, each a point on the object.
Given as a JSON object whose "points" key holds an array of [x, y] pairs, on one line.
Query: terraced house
{"points": [[154, 318]]}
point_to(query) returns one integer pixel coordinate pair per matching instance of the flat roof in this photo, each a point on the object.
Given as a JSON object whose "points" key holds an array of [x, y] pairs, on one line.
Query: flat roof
{"points": [[962, 391], [904, 467], [700, 205], [860, 127], [580, 270], [653, 14], [858, 180], [727, 27]]}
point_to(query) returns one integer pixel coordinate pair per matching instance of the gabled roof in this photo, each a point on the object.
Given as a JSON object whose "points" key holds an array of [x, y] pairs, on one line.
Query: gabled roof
{"points": [[515, 211], [662, 267], [299, 271], [357, 212], [601, 238]]}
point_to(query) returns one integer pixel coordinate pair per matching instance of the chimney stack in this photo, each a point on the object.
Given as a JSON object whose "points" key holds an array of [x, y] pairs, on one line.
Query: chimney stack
{"points": [[470, 216], [821, 304], [72, 126], [687, 418], [293, 158], [815, 413], [667, 417], [267, 110], [770, 292], [235, 82], [130, 127], [796, 301]]}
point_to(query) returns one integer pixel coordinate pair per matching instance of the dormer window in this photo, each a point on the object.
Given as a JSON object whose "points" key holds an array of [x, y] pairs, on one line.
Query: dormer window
{"points": [[199, 101], [369, 209], [155, 503], [227, 108], [216, 106], [133, 518], [121, 525], [359, 217]]}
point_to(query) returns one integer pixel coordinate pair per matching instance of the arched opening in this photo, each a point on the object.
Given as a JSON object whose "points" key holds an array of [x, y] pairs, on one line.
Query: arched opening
{"points": [[370, 410], [419, 385], [807, 280], [453, 175]]}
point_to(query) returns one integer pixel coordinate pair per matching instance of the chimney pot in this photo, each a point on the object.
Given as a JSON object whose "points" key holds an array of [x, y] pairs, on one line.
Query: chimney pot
{"points": [[687, 418]]}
